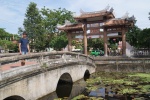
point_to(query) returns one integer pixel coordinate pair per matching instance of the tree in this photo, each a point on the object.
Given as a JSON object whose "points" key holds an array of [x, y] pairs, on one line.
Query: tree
{"points": [[20, 31], [33, 26], [149, 16], [133, 36], [59, 42], [5, 35], [139, 38], [144, 38], [41, 25], [8, 45], [96, 43], [51, 18]]}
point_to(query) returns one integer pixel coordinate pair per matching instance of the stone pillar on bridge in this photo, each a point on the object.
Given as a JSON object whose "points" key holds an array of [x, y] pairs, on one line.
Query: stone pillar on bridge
{"points": [[85, 38], [69, 41], [105, 42], [123, 42]]}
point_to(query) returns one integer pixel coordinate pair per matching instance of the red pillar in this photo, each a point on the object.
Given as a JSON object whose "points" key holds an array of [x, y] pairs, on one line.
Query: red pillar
{"points": [[69, 42], [85, 38], [123, 42], [105, 42]]}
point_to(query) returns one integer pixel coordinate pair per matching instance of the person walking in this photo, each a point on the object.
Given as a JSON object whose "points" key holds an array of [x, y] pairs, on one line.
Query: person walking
{"points": [[24, 46]]}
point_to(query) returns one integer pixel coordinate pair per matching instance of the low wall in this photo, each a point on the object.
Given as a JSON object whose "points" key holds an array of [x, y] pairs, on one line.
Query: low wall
{"points": [[8, 54], [123, 64]]}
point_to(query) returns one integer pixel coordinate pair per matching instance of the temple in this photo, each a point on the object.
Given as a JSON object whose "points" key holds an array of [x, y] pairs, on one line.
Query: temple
{"points": [[100, 24]]}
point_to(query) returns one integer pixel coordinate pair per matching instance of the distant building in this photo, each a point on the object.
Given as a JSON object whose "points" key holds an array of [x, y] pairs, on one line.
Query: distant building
{"points": [[1, 50]]}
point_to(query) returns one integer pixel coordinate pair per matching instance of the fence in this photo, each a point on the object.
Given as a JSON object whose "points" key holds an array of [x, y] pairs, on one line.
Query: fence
{"points": [[140, 53]]}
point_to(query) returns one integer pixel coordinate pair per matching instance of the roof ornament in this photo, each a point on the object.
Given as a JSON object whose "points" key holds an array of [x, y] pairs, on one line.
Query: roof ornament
{"points": [[107, 7], [111, 9], [60, 26], [82, 12], [125, 16], [104, 10], [67, 22], [131, 18]]}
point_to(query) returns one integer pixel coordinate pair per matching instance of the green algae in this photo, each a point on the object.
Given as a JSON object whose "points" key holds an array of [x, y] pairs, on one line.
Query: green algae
{"points": [[120, 83]]}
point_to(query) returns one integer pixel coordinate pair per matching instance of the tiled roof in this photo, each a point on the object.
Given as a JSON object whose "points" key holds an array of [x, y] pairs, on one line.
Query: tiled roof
{"points": [[103, 12], [91, 15], [70, 27], [117, 22]]}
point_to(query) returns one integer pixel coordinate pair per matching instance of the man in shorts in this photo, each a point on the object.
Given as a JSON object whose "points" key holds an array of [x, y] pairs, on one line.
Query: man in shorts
{"points": [[24, 46]]}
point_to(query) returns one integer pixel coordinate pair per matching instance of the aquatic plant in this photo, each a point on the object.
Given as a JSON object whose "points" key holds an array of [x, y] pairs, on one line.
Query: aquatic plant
{"points": [[128, 91], [119, 83], [83, 97]]}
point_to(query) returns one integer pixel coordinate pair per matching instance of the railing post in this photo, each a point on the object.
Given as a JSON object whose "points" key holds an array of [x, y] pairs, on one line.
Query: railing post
{"points": [[0, 72], [0, 76], [64, 57], [78, 57], [117, 65], [87, 59]]}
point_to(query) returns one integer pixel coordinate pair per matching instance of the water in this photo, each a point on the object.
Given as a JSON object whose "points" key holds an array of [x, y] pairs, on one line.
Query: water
{"points": [[66, 89]]}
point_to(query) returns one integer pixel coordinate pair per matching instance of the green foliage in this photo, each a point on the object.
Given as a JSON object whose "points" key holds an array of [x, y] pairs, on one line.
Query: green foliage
{"points": [[139, 38], [58, 42], [133, 36], [41, 27], [96, 43], [53, 17], [77, 44], [8, 45], [113, 46], [144, 38], [5, 35], [33, 26], [6, 40], [128, 90], [83, 97], [122, 83]]}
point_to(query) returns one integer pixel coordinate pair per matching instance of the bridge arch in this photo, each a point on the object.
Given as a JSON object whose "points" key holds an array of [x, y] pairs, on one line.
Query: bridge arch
{"points": [[15, 97], [86, 75], [47, 77], [64, 83]]}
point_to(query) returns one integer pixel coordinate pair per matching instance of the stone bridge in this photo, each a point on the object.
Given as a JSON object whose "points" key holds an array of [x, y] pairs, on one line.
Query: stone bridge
{"points": [[40, 78]]}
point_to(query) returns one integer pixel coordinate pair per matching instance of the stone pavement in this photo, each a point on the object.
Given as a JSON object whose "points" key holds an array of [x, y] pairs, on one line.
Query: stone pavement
{"points": [[15, 65]]}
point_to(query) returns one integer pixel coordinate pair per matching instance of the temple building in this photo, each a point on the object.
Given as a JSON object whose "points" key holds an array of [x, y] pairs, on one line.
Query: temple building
{"points": [[100, 24]]}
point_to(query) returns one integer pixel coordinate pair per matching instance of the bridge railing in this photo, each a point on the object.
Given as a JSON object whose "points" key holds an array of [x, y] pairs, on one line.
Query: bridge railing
{"points": [[45, 56], [44, 61], [8, 54], [140, 53]]}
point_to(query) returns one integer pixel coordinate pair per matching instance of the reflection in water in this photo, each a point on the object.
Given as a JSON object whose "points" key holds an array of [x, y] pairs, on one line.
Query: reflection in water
{"points": [[14, 98], [64, 89], [98, 93], [86, 75], [107, 94]]}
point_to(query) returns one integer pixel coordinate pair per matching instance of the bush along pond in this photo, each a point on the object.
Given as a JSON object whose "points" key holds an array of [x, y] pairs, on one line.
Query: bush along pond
{"points": [[116, 86]]}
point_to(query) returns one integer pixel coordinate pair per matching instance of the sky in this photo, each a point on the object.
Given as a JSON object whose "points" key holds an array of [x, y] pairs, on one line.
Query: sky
{"points": [[12, 12]]}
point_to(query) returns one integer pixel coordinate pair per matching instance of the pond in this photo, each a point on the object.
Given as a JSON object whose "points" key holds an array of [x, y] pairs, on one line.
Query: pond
{"points": [[105, 86], [118, 86]]}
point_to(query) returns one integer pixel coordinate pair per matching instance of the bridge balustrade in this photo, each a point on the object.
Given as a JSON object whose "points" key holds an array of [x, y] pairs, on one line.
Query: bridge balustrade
{"points": [[44, 59], [140, 53]]}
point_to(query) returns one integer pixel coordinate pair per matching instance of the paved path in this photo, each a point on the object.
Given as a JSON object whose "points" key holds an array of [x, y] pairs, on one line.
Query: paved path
{"points": [[15, 65]]}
